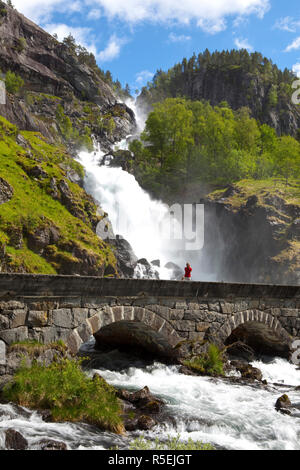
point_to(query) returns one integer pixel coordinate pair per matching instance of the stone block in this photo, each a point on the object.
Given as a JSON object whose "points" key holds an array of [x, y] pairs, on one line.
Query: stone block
{"points": [[74, 342], [37, 318], [227, 307], [176, 314], [196, 315], [118, 313], [14, 334], [95, 322], [18, 318], [184, 325], [62, 317], [85, 331], [202, 326], [79, 315]]}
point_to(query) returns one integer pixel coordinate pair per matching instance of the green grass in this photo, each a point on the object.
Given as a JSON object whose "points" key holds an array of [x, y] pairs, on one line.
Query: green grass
{"points": [[172, 443], [65, 390], [34, 348], [210, 363], [32, 206], [262, 189]]}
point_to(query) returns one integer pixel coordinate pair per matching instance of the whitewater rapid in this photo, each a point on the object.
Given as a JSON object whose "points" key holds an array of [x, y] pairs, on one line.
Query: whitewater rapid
{"points": [[229, 416]]}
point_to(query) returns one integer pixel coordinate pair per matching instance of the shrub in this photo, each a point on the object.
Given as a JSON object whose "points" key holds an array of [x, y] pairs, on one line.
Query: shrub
{"points": [[210, 363], [21, 44], [13, 82], [66, 390]]}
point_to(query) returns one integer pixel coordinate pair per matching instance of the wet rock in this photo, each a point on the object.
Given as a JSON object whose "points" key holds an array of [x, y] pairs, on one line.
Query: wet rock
{"points": [[146, 422], [187, 371], [14, 440], [247, 370], [177, 272], [241, 350], [49, 444], [144, 270], [156, 262], [126, 259], [123, 159], [283, 404]]}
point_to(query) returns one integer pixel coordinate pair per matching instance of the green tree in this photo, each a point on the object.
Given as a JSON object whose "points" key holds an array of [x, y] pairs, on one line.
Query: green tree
{"points": [[287, 158], [13, 82]]}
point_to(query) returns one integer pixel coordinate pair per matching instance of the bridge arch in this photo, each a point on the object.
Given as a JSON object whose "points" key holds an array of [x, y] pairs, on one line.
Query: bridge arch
{"points": [[250, 325], [259, 316], [121, 315]]}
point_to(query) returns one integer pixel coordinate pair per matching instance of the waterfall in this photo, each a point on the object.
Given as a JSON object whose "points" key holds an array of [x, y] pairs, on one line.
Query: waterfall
{"points": [[132, 212]]}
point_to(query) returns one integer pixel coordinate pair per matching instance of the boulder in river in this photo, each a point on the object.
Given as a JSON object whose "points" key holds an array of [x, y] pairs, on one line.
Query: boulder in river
{"points": [[283, 404], [14, 440], [247, 370], [50, 444]]}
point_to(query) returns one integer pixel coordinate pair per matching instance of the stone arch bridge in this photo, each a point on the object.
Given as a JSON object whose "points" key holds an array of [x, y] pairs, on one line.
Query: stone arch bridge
{"points": [[158, 314]]}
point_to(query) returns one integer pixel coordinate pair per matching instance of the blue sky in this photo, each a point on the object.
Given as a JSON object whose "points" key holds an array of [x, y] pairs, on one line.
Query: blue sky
{"points": [[134, 38]]}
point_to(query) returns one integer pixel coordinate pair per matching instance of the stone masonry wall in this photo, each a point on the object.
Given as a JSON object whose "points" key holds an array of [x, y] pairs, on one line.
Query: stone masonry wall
{"points": [[71, 308]]}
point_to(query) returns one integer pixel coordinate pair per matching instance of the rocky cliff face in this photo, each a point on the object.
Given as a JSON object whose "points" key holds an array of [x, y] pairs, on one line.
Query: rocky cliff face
{"points": [[252, 233], [47, 220], [53, 76]]}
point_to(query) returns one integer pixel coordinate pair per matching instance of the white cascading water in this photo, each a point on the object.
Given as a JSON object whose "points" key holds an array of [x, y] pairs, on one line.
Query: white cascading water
{"points": [[132, 212]]}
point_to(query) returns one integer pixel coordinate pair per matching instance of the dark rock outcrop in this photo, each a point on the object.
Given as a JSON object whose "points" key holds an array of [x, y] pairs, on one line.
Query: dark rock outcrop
{"points": [[126, 259], [252, 239], [14, 440], [6, 191]]}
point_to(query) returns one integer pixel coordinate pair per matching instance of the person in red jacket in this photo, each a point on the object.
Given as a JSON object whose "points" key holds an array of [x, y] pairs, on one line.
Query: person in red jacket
{"points": [[187, 273]]}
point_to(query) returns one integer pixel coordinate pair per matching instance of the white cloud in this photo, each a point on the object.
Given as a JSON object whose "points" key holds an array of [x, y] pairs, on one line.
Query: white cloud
{"points": [[42, 12], [143, 77], [243, 44], [112, 49], [94, 14], [212, 26], [178, 38], [296, 69], [287, 24], [165, 10], [294, 45], [209, 15]]}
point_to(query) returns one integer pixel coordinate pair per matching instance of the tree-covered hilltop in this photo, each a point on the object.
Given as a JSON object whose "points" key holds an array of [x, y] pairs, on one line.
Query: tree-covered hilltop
{"points": [[186, 142], [235, 76]]}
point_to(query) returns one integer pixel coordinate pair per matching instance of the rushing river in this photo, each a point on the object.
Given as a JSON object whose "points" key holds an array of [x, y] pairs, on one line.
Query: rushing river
{"points": [[229, 416]]}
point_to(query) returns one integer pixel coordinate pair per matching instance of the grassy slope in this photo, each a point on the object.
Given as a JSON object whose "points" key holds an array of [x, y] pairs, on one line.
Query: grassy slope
{"points": [[33, 207]]}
